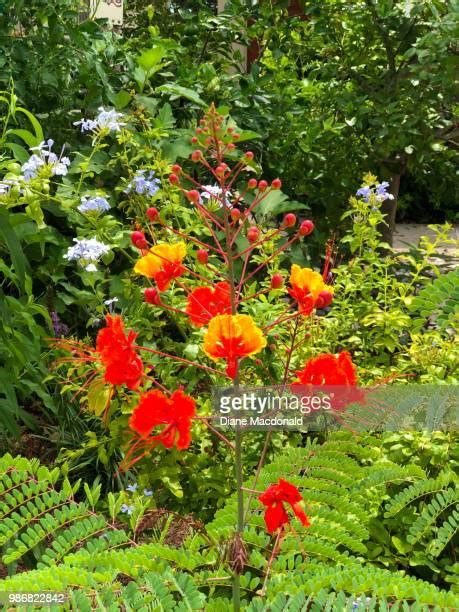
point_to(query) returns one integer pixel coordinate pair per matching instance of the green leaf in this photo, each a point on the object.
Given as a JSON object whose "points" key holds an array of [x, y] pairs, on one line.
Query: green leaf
{"points": [[98, 395], [151, 57], [29, 138], [177, 91], [20, 263]]}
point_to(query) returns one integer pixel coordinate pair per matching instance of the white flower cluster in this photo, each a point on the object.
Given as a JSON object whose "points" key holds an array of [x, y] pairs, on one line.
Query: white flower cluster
{"points": [[214, 193], [86, 252], [96, 204], [45, 157], [106, 119]]}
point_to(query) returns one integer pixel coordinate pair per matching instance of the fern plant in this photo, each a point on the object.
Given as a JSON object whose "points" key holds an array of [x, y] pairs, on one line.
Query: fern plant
{"points": [[438, 303], [71, 548]]}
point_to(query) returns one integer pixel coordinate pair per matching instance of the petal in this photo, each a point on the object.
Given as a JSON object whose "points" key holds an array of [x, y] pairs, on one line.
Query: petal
{"points": [[301, 514], [275, 517]]}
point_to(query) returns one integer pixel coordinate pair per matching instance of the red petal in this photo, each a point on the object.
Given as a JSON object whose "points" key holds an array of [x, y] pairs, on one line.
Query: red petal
{"points": [[275, 517]]}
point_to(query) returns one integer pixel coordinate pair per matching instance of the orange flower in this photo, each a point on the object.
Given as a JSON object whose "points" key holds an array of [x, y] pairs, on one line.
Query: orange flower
{"points": [[163, 263], [232, 337], [205, 303], [274, 498], [175, 413], [116, 352], [332, 370], [308, 289]]}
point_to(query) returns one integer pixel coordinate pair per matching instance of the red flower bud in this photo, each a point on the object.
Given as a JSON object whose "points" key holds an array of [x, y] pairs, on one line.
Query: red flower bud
{"points": [[258, 362], [253, 233], [230, 130], [151, 296], [176, 168], [152, 213], [196, 155], [203, 256], [236, 136], [276, 184], [306, 228], [324, 299], [194, 139], [198, 130], [220, 170], [252, 183], [174, 179], [262, 185], [193, 196], [235, 214], [289, 220], [248, 154], [276, 280], [231, 146], [138, 240]]}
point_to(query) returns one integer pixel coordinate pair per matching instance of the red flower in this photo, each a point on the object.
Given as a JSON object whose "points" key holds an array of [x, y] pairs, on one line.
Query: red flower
{"points": [[328, 369], [115, 349], [204, 303], [175, 412], [274, 498]]}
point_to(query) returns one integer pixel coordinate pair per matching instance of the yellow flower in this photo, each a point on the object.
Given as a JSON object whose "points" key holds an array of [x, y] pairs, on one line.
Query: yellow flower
{"points": [[163, 263], [308, 289], [231, 337]]}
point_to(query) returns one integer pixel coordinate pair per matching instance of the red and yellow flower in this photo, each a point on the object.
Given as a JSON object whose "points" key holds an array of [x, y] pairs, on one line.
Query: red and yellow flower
{"points": [[232, 337], [204, 303], [274, 498], [115, 350], [307, 287], [163, 263], [175, 413]]}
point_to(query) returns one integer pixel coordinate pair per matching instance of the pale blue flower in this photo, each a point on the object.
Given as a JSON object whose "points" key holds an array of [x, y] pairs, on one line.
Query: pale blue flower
{"points": [[132, 488], [96, 204], [144, 185], [105, 120], [45, 157], [215, 193], [147, 492], [364, 192], [87, 252], [127, 509]]}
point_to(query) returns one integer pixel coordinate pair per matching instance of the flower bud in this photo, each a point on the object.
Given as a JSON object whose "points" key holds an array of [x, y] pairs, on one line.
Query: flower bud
{"points": [[194, 139], [276, 280], [196, 155], [253, 234], [231, 146], [203, 256], [248, 154], [151, 296], [276, 184], [324, 299], [306, 228], [252, 183], [235, 214], [262, 185], [289, 220], [220, 170], [138, 240], [236, 136], [152, 213], [176, 168], [174, 179], [258, 362], [193, 196]]}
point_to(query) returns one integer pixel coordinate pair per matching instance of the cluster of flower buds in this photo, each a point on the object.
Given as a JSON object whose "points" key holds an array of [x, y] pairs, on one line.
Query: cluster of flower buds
{"points": [[138, 240]]}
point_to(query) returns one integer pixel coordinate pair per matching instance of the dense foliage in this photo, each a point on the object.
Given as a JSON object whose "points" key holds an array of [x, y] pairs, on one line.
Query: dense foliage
{"points": [[126, 203]]}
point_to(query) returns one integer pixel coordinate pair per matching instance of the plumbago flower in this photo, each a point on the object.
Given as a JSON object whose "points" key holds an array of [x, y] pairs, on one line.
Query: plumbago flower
{"points": [[96, 204], [144, 185], [44, 162], [87, 252], [379, 190], [106, 121]]}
